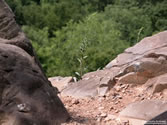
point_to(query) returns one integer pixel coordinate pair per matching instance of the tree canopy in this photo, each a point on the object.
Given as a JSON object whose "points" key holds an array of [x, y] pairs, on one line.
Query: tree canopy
{"points": [[72, 37]]}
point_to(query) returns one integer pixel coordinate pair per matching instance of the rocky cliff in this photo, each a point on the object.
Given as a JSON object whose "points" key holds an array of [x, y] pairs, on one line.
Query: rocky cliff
{"points": [[130, 90], [143, 64]]}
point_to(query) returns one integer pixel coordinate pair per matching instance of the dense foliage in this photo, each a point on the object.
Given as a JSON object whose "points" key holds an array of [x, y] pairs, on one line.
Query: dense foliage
{"points": [[72, 37]]}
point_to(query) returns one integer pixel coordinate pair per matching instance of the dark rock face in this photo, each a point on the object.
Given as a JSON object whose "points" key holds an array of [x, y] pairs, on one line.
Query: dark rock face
{"points": [[26, 96], [158, 120]]}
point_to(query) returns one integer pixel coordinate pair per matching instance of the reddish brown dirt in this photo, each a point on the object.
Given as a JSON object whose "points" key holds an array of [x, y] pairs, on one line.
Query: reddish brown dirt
{"points": [[105, 110]]}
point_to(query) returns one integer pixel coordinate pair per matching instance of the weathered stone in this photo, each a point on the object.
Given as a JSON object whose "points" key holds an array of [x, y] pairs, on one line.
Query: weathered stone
{"points": [[100, 108], [60, 82], [142, 62], [75, 101], [160, 119], [133, 121], [144, 110], [103, 90], [26, 95], [103, 115], [104, 85], [157, 84], [7, 17], [110, 117], [92, 84], [83, 88], [132, 78]]}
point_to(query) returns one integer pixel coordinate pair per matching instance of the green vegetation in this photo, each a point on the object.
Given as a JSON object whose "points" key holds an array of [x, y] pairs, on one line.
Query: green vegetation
{"points": [[72, 37]]}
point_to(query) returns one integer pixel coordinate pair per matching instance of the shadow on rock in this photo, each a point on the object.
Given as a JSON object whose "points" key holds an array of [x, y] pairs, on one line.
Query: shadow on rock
{"points": [[158, 120]]}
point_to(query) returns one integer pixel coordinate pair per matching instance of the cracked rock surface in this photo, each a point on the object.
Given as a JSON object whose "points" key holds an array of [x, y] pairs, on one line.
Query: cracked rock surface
{"points": [[26, 95], [141, 64]]}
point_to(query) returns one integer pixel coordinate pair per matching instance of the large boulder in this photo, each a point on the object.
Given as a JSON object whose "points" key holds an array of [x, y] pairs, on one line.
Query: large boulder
{"points": [[92, 84], [61, 82], [26, 95], [145, 60], [157, 84]]}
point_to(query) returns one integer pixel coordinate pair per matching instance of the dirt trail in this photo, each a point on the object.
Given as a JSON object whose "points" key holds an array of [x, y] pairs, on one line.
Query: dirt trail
{"points": [[105, 110]]}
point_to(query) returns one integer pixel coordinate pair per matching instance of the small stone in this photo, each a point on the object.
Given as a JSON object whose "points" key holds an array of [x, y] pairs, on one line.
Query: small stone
{"points": [[88, 111], [70, 105], [116, 111], [117, 88], [103, 115], [106, 119], [86, 78], [161, 97], [161, 59], [123, 91], [101, 108], [127, 86], [100, 99], [119, 97], [122, 86], [136, 99], [151, 96], [23, 107], [107, 94], [67, 106], [142, 98], [111, 108], [139, 95], [114, 95], [99, 119], [125, 122], [75, 101], [110, 117], [116, 102]]}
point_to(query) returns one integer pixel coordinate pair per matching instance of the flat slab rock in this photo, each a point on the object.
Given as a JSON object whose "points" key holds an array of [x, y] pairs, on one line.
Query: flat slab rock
{"points": [[146, 46], [144, 63], [83, 88], [92, 84], [60, 82], [157, 84], [144, 110]]}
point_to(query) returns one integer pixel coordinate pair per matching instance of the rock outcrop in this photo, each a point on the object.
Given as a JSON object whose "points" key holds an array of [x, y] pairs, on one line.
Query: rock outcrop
{"points": [[140, 112], [142, 64], [26, 95], [91, 85], [61, 82]]}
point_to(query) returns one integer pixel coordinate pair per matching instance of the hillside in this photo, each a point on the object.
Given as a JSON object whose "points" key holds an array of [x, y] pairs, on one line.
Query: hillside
{"points": [[74, 37], [130, 90]]}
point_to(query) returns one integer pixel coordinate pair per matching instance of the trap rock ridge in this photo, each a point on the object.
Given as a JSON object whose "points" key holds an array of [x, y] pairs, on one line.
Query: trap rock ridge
{"points": [[130, 90], [143, 64]]}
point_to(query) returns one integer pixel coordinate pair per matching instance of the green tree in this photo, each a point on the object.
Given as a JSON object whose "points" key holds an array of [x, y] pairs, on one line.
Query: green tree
{"points": [[102, 39], [129, 22], [81, 36]]}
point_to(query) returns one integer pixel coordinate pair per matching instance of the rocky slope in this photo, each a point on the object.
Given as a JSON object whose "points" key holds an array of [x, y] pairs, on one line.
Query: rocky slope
{"points": [[131, 89]]}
